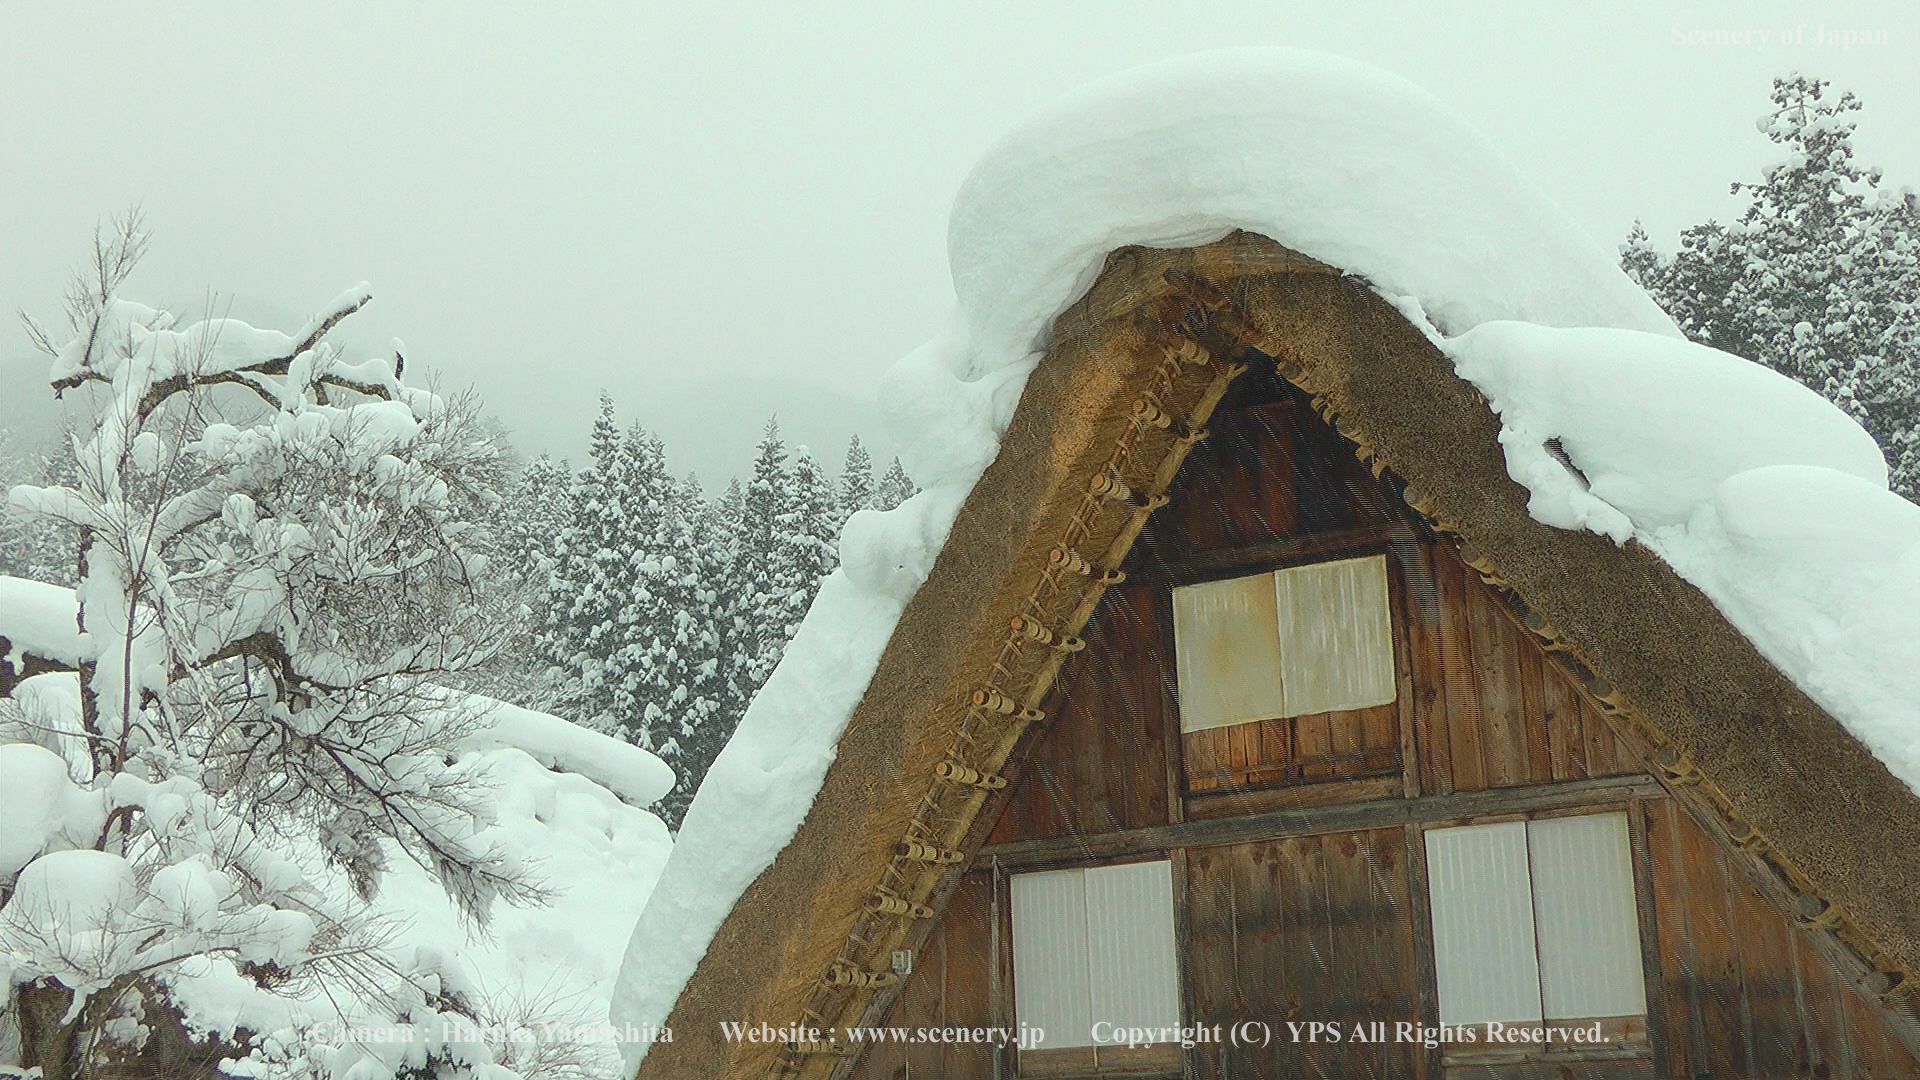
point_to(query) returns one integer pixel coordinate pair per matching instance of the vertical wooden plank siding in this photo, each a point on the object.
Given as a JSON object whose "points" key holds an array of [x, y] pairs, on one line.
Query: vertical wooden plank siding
{"points": [[950, 987], [1747, 995], [1466, 706], [1100, 762], [1306, 928], [1421, 610]]}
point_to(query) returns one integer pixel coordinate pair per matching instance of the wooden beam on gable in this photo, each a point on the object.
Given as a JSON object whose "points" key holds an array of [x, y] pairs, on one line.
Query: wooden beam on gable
{"points": [[1313, 820]]}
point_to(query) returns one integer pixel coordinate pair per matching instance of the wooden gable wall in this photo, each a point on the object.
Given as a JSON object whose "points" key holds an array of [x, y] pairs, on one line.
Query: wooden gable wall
{"points": [[1330, 923]]}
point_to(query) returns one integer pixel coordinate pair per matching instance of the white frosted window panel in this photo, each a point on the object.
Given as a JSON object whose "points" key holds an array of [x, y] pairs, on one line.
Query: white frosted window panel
{"points": [[1585, 918], [1483, 924], [1227, 652], [1336, 636], [1131, 957], [1050, 979]]}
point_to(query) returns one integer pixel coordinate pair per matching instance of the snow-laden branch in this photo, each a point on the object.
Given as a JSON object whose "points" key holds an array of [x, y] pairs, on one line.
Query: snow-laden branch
{"points": [[280, 556]]}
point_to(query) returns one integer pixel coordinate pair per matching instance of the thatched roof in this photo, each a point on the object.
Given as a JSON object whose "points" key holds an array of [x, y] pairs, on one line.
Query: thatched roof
{"points": [[1743, 747]]}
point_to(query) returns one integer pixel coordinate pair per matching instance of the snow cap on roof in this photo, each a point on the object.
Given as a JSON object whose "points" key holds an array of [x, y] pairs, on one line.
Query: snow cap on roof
{"points": [[1331, 157]]}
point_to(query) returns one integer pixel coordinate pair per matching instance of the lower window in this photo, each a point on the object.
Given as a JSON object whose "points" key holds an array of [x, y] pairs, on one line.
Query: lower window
{"points": [[1535, 925], [1094, 963]]}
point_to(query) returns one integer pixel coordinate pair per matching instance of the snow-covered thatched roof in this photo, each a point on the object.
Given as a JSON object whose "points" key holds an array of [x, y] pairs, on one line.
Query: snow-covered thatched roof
{"points": [[1745, 595]]}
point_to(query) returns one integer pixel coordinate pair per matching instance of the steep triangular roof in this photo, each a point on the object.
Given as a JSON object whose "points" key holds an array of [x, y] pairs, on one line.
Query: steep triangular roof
{"points": [[1133, 371]]}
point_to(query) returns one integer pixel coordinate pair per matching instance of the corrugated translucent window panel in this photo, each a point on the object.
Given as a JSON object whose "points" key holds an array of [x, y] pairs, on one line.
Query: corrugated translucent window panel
{"points": [[1483, 924], [1336, 636], [1587, 924], [1227, 652], [1050, 979], [1131, 955]]}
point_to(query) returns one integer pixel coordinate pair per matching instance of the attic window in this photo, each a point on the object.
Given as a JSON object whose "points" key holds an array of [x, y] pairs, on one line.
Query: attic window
{"points": [[1293, 642]]}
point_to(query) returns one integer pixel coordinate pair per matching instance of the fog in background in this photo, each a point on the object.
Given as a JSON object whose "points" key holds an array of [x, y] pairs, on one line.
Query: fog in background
{"points": [[717, 210]]}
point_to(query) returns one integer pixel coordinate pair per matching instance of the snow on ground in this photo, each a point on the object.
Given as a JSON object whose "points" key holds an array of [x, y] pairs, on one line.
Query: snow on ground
{"points": [[554, 963], [38, 618], [1332, 158], [598, 854], [568, 799]]}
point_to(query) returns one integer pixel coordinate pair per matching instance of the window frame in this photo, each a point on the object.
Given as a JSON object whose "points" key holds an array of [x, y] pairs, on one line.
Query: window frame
{"points": [[1628, 1037], [1387, 657], [1160, 1060]]}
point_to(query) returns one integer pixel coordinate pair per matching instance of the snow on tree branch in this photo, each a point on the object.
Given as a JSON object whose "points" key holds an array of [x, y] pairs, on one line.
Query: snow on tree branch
{"points": [[282, 558]]}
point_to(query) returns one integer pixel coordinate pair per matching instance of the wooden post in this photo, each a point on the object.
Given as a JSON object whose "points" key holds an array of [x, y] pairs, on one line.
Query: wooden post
{"points": [[1420, 915], [1638, 822]]}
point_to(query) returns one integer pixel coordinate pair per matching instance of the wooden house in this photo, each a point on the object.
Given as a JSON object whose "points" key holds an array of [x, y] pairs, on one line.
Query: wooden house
{"points": [[1246, 705]]}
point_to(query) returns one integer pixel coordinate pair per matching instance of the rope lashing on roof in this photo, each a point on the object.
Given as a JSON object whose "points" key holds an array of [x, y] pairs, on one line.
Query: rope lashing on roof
{"points": [[889, 904], [994, 701], [1033, 630], [919, 852], [846, 976], [956, 773], [1071, 561]]}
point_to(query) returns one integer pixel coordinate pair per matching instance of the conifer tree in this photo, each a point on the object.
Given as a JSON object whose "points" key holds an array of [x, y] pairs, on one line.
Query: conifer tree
{"points": [[856, 480], [733, 613], [894, 488], [703, 726], [33, 547], [1818, 279], [592, 585], [755, 587], [806, 547], [542, 508], [667, 636]]}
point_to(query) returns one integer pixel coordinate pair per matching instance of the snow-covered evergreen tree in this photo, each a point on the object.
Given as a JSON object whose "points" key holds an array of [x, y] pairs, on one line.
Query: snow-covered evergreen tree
{"points": [[856, 480], [540, 509], [734, 614], [536, 512], [669, 639], [1818, 279], [806, 546], [31, 546], [894, 488], [701, 727], [752, 587], [592, 586]]}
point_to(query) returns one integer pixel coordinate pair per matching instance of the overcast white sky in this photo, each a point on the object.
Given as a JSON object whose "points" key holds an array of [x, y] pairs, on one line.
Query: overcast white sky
{"points": [[718, 209]]}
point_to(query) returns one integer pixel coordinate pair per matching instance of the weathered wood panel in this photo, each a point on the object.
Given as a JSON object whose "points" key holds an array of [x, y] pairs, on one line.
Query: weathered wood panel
{"points": [[1274, 486], [1489, 707], [950, 987], [1100, 763], [1307, 928], [1746, 993]]}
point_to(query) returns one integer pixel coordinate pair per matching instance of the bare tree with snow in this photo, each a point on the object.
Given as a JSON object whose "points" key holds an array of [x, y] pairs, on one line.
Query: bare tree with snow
{"points": [[281, 558]]}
